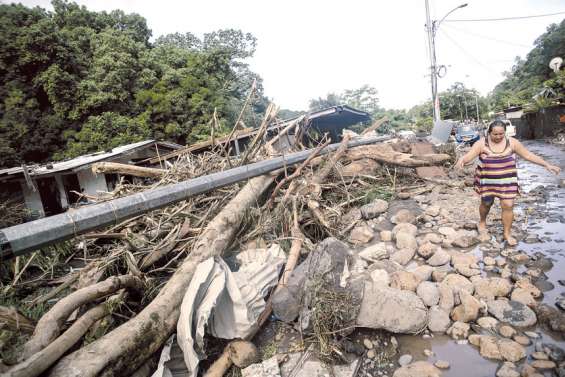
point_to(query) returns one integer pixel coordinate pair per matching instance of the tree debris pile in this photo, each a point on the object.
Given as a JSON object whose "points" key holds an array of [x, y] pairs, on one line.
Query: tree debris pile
{"points": [[105, 303]]}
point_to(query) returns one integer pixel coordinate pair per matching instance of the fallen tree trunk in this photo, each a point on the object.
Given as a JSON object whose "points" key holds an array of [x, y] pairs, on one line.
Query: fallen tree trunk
{"points": [[123, 350], [136, 171], [50, 325], [386, 154], [42, 360]]}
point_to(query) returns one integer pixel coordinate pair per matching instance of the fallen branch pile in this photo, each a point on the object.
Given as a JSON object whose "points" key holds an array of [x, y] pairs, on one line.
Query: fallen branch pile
{"points": [[115, 312]]}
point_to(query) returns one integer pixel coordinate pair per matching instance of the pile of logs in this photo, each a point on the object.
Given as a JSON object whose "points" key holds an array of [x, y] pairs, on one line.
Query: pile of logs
{"points": [[113, 316]]}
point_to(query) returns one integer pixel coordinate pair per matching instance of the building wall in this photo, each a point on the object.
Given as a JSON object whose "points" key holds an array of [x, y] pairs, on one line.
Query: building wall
{"points": [[544, 123], [91, 184], [32, 200]]}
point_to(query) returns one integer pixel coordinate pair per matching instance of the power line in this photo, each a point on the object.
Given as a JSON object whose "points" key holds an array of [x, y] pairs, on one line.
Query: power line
{"points": [[505, 18], [491, 71], [488, 38]]}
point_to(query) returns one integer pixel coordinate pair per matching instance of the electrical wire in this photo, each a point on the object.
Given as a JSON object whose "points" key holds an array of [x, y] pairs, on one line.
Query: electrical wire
{"points": [[486, 37], [505, 18], [468, 54]]}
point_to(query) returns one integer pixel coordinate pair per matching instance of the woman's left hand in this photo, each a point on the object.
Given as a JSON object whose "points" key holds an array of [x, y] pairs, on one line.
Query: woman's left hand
{"points": [[554, 169]]}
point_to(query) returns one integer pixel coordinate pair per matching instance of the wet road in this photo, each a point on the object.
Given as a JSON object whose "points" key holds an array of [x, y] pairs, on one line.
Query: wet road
{"points": [[547, 220]]}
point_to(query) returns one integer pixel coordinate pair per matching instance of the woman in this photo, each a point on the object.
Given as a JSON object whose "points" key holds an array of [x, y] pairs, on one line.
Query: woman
{"points": [[496, 174]]}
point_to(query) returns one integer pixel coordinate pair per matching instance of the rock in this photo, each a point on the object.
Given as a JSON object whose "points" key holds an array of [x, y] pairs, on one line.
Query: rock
{"points": [[512, 312], [458, 257], [439, 320], [523, 296], [427, 249], [405, 228], [488, 323], [373, 209], [406, 240], [475, 339], [555, 353], [403, 256], [386, 235], [560, 303], [432, 211], [439, 258], [540, 356], [404, 280], [507, 369], [466, 270], [374, 252], [423, 273], [403, 216], [459, 330], [520, 258], [428, 292], [391, 309], [506, 331], [531, 334], [446, 298], [385, 264], [522, 340], [418, 369], [380, 277], [361, 234], [438, 274], [371, 354], [529, 371], [458, 283], [489, 261], [405, 359], [442, 364], [468, 311], [433, 238], [448, 232], [368, 344], [490, 288], [465, 242], [554, 318], [489, 347], [543, 364]]}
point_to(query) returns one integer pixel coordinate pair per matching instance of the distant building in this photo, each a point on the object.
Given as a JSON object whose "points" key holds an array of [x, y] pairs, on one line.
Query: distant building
{"points": [[54, 187]]}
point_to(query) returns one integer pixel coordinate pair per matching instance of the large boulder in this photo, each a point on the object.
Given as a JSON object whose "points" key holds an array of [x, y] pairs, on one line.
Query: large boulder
{"points": [[405, 228], [512, 312], [405, 240], [446, 298], [403, 216], [391, 309], [418, 369], [403, 256]]}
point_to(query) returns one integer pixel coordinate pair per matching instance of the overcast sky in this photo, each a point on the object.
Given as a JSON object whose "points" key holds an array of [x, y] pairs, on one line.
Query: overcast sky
{"points": [[307, 48]]}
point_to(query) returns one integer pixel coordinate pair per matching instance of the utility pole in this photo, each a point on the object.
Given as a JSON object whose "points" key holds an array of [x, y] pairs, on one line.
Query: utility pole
{"points": [[477, 104], [430, 27]]}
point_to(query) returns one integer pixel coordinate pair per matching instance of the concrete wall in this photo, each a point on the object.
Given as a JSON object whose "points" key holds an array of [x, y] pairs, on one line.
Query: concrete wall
{"points": [[32, 200], [544, 123], [91, 184]]}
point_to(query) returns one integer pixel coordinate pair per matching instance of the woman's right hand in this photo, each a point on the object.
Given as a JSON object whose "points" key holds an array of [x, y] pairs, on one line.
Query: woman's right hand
{"points": [[460, 164]]}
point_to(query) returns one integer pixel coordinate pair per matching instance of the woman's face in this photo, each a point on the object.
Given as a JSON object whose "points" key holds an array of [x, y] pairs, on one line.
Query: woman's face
{"points": [[497, 134]]}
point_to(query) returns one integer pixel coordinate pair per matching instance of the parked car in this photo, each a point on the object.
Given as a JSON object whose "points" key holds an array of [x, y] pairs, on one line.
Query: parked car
{"points": [[510, 129], [467, 134]]}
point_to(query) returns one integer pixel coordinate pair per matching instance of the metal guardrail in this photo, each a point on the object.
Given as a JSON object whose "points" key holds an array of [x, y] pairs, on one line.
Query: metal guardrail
{"points": [[24, 238]]}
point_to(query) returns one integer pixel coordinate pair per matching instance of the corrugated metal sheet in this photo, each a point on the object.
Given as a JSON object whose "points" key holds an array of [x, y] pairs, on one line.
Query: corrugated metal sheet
{"points": [[80, 161]]}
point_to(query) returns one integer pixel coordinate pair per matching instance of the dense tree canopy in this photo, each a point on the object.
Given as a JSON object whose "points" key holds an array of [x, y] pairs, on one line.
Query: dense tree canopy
{"points": [[529, 78], [74, 81]]}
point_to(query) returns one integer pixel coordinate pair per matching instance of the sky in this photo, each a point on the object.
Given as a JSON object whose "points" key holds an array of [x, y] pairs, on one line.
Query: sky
{"points": [[307, 49]]}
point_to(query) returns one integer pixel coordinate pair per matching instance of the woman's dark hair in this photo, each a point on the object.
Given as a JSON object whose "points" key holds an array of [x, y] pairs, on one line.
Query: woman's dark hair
{"points": [[496, 123]]}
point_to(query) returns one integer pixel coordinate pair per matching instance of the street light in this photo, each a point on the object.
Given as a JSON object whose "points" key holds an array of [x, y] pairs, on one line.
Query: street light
{"points": [[432, 28]]}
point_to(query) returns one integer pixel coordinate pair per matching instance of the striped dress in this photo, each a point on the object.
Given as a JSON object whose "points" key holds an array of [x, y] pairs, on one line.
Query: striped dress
{"points": [[496, 175]]}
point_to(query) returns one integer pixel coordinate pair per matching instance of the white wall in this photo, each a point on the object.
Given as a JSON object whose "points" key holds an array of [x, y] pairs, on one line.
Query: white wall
{"points": [[32, 200], [91, 184]]}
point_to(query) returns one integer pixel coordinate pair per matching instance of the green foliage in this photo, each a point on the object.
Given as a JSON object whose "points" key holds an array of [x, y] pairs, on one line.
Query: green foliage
{"points": [[73, 81], [528, 77]]}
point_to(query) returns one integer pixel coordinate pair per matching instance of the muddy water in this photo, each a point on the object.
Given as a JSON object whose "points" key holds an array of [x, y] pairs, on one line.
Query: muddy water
{"points": [[547, 220]]}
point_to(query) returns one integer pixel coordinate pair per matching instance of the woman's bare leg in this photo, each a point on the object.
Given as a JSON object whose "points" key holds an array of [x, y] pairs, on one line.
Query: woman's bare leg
{"points": [[507, 219], [484, 209]]}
